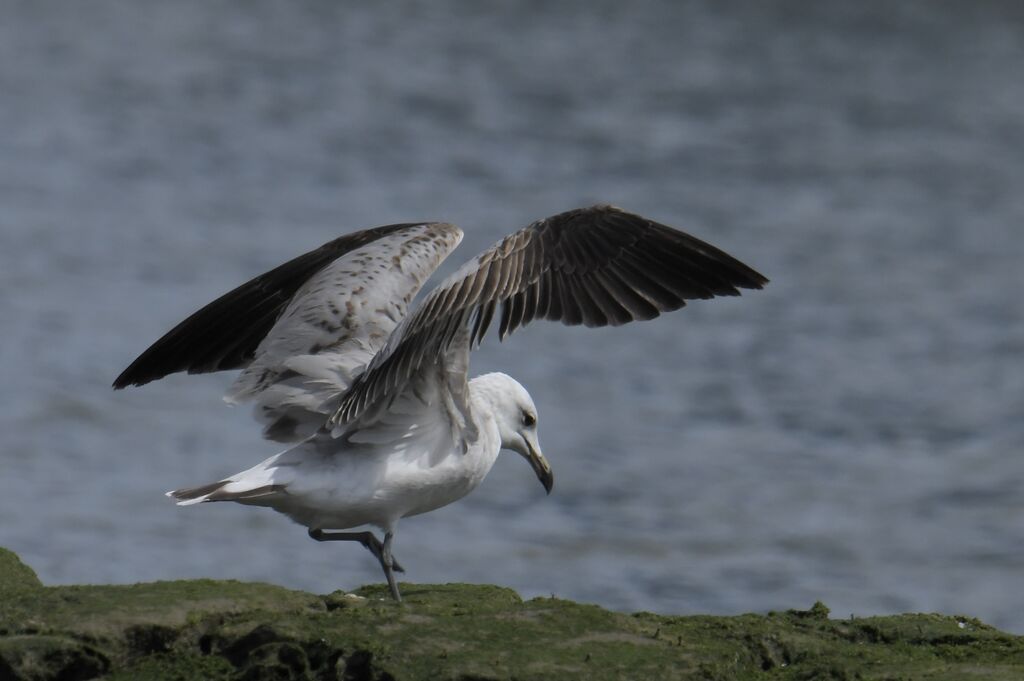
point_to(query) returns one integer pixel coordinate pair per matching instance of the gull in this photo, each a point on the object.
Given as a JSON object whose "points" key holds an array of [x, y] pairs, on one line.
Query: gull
{"points": [[376, 403]]}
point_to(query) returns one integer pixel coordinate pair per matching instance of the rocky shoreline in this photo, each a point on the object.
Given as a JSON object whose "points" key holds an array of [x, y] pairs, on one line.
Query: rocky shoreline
{"points": [[206, 629]]}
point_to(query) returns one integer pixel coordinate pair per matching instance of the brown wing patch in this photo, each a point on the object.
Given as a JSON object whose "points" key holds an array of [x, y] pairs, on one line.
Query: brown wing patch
{"points": [[598, 266]]}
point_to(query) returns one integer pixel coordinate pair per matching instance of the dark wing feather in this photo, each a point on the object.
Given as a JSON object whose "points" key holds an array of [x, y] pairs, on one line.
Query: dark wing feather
{"points": [[225, 334], [596, 266]]}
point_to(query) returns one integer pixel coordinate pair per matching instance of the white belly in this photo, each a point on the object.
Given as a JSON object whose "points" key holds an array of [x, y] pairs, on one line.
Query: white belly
{"points": [[371, 487]]}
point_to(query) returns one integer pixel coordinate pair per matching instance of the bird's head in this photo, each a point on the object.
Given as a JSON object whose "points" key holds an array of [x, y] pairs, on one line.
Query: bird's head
{"points": [[516, 416]]}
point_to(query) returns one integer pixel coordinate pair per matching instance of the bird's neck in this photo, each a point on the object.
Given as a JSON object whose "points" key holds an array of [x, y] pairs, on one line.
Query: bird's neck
{"points": [[481, 400]]}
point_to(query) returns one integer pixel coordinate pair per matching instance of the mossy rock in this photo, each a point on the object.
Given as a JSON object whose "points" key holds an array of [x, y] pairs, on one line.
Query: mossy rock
{"points": [[205, 629], [15, 575], [42, 657]]}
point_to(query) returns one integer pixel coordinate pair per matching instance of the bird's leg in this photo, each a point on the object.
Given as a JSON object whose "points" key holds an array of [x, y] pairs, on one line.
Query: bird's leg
{"points": [[367, 539], [387, 562]]}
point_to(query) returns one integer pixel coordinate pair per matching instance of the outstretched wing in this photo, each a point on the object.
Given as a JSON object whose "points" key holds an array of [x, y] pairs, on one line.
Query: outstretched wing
{"points": [[304, 329], [597, 266], [225, 334]]}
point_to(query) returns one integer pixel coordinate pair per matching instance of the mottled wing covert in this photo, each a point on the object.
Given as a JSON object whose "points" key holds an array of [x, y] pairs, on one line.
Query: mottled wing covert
{"points": [[597, 266]]}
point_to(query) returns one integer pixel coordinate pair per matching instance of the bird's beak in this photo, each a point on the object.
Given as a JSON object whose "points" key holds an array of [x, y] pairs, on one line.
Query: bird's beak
{"points": [[539, 464]]}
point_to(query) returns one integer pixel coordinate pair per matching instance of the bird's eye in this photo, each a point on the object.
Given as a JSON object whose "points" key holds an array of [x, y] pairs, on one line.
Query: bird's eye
{"points": [[529, 420]]}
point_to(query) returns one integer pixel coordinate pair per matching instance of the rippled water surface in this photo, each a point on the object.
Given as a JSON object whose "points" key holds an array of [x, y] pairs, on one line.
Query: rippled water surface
{"points": [[853, 433]]}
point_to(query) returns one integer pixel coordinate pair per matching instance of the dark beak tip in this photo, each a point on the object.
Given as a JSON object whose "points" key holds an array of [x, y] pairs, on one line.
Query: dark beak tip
{"points": [[541, 468]]}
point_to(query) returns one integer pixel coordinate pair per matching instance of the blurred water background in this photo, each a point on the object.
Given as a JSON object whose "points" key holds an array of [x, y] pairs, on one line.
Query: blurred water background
{"points": [[853, 433]]}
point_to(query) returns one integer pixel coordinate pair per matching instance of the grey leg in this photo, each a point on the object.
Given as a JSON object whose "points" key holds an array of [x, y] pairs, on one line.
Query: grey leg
{"points": [[388, 563], [382, 552]]}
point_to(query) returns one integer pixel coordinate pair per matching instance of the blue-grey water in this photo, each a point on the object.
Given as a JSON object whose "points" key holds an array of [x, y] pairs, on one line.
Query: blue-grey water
{"points": [[853, 433]]}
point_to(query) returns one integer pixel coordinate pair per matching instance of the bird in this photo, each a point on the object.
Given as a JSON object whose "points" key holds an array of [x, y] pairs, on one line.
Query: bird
{"points": [[375, 402]]}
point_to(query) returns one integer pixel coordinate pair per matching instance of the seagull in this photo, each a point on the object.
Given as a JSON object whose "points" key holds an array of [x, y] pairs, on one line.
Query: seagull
{"points": [[375, 402]]}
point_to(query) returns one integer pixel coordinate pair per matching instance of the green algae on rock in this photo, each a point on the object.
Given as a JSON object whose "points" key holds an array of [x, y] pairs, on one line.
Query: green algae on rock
{"points": [[15, 575], [205, 629]]}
